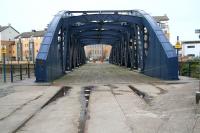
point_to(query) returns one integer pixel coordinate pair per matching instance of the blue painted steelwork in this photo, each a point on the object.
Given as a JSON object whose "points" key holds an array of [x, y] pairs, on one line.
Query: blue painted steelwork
{"points": [[137, 42]]}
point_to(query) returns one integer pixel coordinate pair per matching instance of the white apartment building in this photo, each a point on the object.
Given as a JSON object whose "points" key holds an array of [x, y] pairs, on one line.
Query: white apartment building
{"points": [[190, 48]]}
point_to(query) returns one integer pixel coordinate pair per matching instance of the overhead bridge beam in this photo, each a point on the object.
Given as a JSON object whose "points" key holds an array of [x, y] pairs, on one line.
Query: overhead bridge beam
{"points": [[95, 32], [111, 42], [97, 26]]}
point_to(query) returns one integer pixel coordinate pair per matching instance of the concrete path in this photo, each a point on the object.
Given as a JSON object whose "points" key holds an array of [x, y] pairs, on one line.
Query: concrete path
{"points": [[61, 116], [105, 113], [22, 102], [121, 101]]}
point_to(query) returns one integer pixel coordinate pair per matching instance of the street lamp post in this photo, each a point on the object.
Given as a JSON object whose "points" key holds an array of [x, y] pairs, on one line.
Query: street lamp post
{"points": [[178, 47]]}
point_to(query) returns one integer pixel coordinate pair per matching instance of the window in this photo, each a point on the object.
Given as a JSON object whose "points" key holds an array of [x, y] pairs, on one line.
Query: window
{"points": [[192, 55], [191, 46]]}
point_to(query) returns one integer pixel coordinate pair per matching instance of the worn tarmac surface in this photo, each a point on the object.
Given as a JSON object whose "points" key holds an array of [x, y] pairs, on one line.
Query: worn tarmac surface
{"points": [[120, 101]]}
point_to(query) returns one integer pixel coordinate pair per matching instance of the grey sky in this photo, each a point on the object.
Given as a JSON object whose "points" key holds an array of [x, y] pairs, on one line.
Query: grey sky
{"points": [[25, 15]]}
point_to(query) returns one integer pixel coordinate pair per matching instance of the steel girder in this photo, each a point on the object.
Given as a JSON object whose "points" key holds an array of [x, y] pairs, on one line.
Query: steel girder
{"points": [[106, 26], [99, 33], [137, 42], [103, 18], [85, 42]]}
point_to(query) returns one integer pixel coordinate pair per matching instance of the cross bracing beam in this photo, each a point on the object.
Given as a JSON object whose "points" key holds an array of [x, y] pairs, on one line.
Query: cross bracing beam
{"points": [[111, 37], [128, 12], [84, 41], [104, 17], [95, 32], [97, 26], [96, 41]]}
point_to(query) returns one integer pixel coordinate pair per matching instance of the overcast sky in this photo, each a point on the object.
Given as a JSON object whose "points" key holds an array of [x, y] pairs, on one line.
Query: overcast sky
{"points": [[25, 15]]}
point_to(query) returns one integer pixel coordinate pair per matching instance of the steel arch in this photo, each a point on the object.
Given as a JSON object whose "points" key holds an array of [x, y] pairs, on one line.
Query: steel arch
{"points": [[137, 42]]}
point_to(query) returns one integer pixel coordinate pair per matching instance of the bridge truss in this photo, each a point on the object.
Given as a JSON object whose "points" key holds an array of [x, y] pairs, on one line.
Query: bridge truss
{"points": [[136, 39]]}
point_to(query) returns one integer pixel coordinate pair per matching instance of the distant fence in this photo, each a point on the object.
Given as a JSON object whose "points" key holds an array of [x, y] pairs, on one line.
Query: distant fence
{"points": [[16, 72], [190, 69]]}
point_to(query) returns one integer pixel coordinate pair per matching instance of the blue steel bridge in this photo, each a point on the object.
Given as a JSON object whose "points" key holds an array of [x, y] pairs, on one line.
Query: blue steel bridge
{"points": [[136, 39]]}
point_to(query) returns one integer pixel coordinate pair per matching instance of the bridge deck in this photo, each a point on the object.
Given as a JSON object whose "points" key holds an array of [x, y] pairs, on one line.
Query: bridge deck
{"points": [[98, 73], [119, 100]]}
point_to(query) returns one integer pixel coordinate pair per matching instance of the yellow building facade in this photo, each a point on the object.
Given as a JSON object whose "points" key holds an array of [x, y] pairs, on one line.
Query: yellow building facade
{"points": [[27, 45]]}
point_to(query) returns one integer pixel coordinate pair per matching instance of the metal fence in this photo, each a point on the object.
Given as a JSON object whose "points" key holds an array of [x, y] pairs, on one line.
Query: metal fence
{"points": [[16, 72]]}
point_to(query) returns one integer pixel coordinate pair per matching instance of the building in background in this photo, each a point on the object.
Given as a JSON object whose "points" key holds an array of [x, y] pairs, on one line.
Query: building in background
{"points": [[7, 41], [95, 51], [162, 21], [190, 49], [27, 45], [197, 31]]}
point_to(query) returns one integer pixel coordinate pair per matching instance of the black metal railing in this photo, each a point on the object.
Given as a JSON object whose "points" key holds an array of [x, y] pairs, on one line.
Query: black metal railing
{"points": [[15, 72]]}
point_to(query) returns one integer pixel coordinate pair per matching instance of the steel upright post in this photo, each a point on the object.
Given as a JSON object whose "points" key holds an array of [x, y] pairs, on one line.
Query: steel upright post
{"points": [[11, 73], [20, 70], [4, 67], [28, 70]]}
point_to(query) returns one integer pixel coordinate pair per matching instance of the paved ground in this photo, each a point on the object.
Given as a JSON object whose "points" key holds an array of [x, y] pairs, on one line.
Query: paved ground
{"points": [[20, 101], [120, 101]]}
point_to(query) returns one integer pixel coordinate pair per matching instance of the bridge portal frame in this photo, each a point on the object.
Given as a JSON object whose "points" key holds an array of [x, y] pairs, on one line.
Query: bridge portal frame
{"points": [[136, 39]]}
